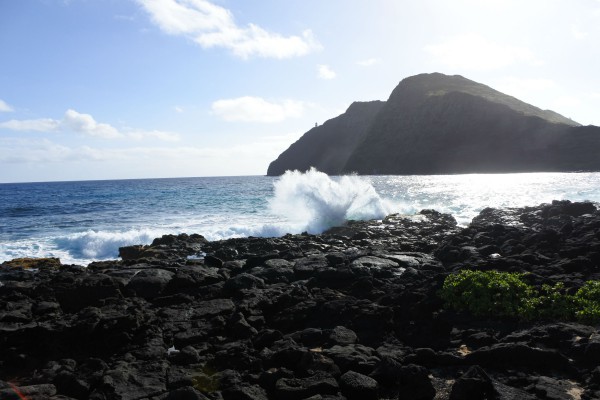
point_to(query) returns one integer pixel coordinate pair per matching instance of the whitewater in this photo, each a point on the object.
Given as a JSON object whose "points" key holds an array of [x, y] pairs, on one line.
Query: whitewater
{"points": [[81, 222]]}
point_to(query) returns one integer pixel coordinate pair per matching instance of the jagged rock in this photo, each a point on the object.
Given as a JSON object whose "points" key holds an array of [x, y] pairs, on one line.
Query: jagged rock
{"points": [[185, 393], [474, 384], [414, 383], [354, 357], [357, 386], [307, 316], [32, 263], [512, 354], [297, 389], [243, 281], [149, 283], [32, 392], [555, 389], [253, 392], [132, 252], [342, 336]]}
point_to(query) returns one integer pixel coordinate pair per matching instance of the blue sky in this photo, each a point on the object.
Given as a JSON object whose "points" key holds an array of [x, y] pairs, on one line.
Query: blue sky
{"points": [[108, 89]]}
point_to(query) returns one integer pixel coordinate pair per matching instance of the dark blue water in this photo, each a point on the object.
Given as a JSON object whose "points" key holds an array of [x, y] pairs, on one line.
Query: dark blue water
{"points": [[84, 221], [89, 220]]}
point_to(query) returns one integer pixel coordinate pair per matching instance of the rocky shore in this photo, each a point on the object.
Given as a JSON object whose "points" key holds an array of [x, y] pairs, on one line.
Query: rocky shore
{"points": [[353, 313]]}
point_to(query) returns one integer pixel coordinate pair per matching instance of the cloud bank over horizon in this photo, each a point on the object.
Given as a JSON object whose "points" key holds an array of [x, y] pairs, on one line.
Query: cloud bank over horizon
{"points": [[83, 124]]}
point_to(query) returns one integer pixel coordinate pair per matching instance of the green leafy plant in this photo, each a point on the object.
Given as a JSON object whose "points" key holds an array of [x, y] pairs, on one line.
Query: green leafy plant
{"points": [[494, 293], [488, 293], [552, 302], [587, 299]]}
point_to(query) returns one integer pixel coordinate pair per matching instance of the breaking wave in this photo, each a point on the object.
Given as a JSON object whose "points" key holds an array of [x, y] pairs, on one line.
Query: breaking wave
{"points": [[316, 202], [101, 244]]}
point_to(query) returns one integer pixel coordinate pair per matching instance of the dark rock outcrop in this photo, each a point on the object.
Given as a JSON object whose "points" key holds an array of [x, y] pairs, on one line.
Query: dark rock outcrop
{"points": [[327, 147], [353, 313], [439, 124]]}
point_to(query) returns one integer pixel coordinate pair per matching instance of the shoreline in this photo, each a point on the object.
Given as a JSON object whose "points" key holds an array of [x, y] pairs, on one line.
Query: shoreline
{"points": [[352, 313]]}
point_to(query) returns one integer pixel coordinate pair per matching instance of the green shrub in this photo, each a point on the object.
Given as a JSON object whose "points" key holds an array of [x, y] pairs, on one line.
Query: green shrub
{"points": [[488, 293], [494, 293], [552, 302], [587, 300]]}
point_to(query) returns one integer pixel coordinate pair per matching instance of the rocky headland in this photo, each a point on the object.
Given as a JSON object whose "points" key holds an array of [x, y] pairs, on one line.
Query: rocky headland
{"points": [[442, 124], [353, 313]]}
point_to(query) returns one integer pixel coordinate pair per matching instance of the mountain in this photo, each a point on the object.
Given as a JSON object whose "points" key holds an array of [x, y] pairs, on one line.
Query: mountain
{"points": [[327, 147], [440, 124]]}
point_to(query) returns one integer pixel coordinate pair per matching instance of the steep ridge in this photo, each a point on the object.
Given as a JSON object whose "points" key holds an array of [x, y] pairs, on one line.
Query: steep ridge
{"points": [[440, 124], [433, 123], [328, 146]]}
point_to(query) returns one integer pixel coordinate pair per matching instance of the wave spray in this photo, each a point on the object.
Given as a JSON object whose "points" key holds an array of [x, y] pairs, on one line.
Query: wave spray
{"points": [[318, 202]]}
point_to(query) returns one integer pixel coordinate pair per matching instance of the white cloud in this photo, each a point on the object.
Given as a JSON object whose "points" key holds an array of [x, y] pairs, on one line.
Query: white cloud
{"points": [[161, 135], [325, 72], [473, 51], [256, 109], [86, 125], [210, 25], [369, 62], [37, 125], [44, 159], [36, 151], [4, 107], [178, 109]]}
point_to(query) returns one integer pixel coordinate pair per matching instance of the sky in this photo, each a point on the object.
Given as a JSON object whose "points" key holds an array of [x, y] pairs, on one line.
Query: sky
{"points": [[116, 89]]}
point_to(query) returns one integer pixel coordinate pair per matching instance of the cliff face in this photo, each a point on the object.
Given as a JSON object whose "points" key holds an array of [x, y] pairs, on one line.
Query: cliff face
{"points": [[439, 124], [327, 147]]}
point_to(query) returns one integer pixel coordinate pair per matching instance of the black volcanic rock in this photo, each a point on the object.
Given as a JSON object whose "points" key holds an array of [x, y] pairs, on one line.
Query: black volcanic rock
{"points": [[328, 146], [436, 124], [354, 314]]}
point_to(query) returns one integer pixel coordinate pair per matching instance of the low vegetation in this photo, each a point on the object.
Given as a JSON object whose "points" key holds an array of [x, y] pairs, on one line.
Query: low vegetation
{"points": [[507, 294]]}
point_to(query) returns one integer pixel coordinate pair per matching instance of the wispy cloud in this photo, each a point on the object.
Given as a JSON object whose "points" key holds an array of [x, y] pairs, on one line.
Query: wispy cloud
{"points": [[325, 72], [369, 62], [38, 151], [22, 150], [139, 134], [87, 125], [473, 51], [257, 109], [210, 25], [83, 124], [31, 125], [5, 107]]}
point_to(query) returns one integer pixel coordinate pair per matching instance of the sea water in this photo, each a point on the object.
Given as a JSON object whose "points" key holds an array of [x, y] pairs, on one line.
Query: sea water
{"points": [[80, 222]]}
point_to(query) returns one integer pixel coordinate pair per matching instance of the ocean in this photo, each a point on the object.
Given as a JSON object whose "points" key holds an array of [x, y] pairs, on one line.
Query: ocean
{"points": [[80, 222]]}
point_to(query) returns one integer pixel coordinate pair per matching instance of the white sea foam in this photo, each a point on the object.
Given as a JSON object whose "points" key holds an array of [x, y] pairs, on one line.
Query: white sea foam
{"points": [[315, 201], [98, 245], [292, 203]]}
